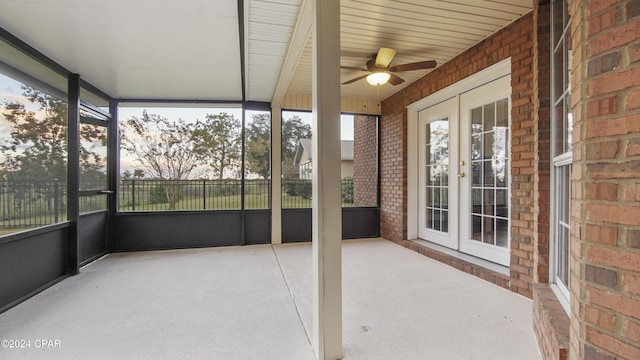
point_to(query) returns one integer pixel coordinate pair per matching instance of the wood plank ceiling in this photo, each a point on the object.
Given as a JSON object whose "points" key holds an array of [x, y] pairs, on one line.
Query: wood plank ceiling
{"points": [[417, 29], [191, 49]]}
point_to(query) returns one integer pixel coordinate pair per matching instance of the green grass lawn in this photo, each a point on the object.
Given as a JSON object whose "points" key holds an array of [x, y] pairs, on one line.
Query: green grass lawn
{"points": [[228, 202]]}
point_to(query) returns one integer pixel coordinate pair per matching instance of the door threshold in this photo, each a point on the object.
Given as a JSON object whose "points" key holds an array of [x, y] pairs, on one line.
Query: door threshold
{"points": [[501, 269], [486, 270]]}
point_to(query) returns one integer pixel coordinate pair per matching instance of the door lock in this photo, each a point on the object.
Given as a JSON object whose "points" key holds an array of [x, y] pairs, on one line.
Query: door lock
{"points": [[461, 174]]}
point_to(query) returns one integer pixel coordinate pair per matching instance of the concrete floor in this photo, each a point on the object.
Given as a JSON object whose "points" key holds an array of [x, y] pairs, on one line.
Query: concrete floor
{"points": [[254, 302]]}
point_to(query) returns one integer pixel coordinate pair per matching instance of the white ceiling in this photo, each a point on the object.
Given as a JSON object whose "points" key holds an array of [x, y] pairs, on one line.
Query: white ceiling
{"points": [[152, 49], [190, 49]]}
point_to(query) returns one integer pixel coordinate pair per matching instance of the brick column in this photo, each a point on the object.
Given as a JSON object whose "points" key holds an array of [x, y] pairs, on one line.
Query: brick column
{"points": [[365, 160], [605, 231], [393, 172]]}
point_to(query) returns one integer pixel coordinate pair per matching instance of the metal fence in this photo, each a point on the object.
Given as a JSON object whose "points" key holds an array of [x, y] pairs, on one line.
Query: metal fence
{"points": [[28, 204], [160, 195]]}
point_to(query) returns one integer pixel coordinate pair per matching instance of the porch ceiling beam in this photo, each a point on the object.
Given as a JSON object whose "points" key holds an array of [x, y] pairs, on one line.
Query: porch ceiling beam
{"points": [[299, 38]]}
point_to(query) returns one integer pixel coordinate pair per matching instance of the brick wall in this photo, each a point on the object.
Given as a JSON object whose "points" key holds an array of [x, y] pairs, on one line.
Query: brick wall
{"points": [[393, 174], [515, 41], [365, 160], [605, 281]]}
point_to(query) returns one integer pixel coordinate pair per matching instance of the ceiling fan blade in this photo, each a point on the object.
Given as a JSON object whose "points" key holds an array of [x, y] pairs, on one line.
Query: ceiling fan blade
{"points": [[429, 64], [354, 79], [395, 79], [353, 68], [384, 57]]}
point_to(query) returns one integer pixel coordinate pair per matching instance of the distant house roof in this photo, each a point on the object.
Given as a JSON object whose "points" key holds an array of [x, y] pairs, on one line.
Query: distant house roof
{"points": [[346, 150]]}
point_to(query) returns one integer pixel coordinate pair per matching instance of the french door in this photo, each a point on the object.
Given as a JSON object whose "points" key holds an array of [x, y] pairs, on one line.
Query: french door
{"points": [[464, 172], [438, 182]]}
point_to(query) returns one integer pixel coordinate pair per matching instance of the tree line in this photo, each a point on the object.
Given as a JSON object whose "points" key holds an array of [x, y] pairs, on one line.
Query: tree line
{"points": [[163, 148]]}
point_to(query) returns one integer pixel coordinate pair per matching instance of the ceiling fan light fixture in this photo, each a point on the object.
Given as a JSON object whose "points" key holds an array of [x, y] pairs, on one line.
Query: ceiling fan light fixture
{"points": [[378, 78]]}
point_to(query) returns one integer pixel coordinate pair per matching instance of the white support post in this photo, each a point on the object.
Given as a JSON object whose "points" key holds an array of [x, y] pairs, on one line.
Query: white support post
{"points": [[327, 206], [276, 175]]}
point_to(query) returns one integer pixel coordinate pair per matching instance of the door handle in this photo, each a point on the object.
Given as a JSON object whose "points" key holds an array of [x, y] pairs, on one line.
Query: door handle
{"points": [[461, 174]]}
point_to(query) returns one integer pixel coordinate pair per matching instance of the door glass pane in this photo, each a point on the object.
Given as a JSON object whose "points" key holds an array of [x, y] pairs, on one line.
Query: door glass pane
{"points": [[437, 174], [502, 113], [476, 223], [476, 201], [490, 167], [489, 117], [502, 233], [489, 144], [445, 221], [476, 168], [476, 146], [487, 202], [488, 233], [476, 120], [488, 175]]}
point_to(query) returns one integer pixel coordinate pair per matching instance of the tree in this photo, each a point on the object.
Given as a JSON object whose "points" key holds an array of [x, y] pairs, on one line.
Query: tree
{"points": [[258, 143], [293, 130], [138, 174], [37, 148], [38, 145], [216, 141], [163, 148]]}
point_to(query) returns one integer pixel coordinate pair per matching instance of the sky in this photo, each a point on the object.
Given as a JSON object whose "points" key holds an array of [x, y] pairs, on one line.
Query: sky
{"points": [[193, 114], [10, 90]]}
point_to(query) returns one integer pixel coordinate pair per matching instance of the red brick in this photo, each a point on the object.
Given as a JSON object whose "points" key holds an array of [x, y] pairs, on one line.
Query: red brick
{"points": [[633, 239], [365, 161], [602, 234], [595, 6], [601, 22], [614, 258], [601, 318], [601, 191], [631, 284], [602, 150], [610, 127], [593, 353], [633, 9], [601, 276], [612, 344], [613, 39], [614, 170], [633, 101], [634, 53], [615, 81], [631, 330], [633, 148], [601, 107]]}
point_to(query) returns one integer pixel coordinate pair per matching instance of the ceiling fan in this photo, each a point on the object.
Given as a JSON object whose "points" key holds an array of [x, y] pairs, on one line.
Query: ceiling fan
{"points": [[381, 71]]}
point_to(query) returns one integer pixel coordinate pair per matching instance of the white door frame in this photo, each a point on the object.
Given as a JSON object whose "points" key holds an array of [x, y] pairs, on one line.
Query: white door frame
{"points": [[487, 75]]}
